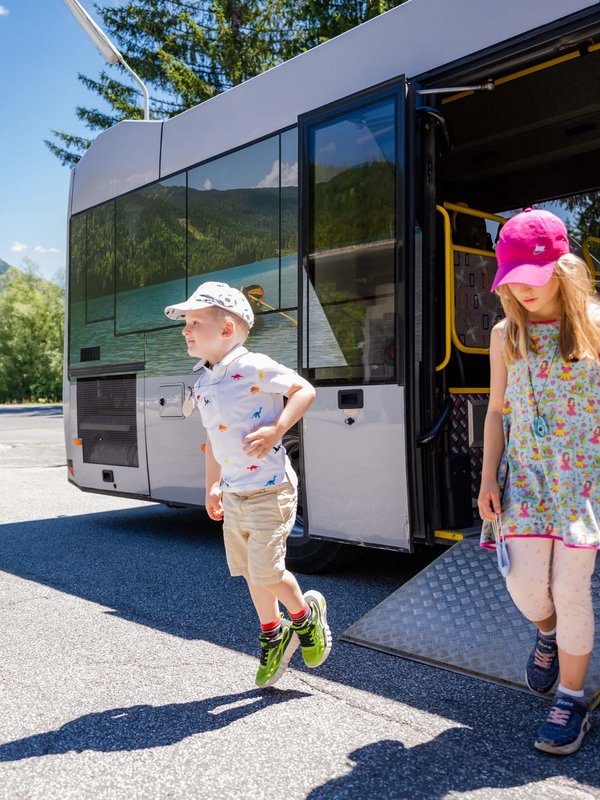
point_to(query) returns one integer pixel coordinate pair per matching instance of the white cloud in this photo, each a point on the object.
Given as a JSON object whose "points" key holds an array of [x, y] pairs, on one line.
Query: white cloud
{"points": [[271, 179], [18, 247], [39, 249], [289, 176], [4, 11], [208, 184]]}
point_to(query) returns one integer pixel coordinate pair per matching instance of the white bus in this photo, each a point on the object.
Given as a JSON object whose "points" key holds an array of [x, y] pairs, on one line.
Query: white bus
{"points": [[354, 193]]}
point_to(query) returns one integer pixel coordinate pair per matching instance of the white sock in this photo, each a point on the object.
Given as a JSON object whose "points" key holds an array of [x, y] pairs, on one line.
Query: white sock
{"points": [[549, 634], [577, 694]]}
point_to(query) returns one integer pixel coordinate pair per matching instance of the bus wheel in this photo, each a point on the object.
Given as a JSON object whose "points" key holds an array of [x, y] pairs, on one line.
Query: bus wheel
{"points": [[303, 553]]}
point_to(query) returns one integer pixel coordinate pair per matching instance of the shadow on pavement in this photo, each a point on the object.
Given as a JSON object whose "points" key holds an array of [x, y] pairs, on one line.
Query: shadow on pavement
{"points": [[33, 411], [387, 770], [162, 567], [141, 727]]}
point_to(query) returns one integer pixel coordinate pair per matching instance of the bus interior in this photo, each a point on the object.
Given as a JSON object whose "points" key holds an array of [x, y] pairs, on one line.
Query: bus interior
{"points": [[533, 139]]}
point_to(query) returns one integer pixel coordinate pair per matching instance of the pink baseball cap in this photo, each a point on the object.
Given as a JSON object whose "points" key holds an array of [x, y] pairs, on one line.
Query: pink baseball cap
{"points": [[529, 245]]}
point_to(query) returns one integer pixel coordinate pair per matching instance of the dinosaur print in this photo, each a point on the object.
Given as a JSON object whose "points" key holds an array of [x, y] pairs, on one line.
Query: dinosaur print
{"points": [[237, 376], [253, 467], [257, 414], [254, 389], [223, 427], [272, 481]]}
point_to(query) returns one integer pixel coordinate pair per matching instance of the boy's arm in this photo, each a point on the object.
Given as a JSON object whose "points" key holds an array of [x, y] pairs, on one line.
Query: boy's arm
{"points": [[300, 396], [214, 509]]}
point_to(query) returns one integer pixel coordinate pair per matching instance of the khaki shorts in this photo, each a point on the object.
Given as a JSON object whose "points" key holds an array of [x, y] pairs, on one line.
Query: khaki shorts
{"points": [[256, 525]]}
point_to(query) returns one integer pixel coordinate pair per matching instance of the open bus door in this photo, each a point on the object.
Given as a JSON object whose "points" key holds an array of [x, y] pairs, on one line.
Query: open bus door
{"points": [[354, 251]]}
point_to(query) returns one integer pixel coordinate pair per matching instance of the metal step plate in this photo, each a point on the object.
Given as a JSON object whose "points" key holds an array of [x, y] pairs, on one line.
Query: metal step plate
{"points": [[457, 614]]}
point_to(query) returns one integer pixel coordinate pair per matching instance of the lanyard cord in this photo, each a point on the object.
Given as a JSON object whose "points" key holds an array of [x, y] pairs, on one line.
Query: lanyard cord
{"points": [[537, 402]]}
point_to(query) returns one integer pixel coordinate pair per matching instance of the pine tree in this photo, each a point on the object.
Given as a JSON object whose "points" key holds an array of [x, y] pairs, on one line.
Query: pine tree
{"points": [[188, 51]]}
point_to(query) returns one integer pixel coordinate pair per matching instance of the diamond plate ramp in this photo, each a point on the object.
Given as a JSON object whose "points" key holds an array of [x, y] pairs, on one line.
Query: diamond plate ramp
{"points": [[457, 614]]}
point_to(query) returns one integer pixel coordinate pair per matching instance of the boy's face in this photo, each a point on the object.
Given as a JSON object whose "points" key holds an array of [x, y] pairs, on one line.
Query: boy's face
{"points": [[206, 335]]}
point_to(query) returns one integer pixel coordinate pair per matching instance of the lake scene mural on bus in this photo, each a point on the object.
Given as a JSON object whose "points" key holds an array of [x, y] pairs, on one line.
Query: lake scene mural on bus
{"points": [[235, 219]]}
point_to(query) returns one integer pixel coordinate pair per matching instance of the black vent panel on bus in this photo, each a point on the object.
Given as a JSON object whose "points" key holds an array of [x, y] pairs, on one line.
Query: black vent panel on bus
{"points": [[106, 420], [89, 354]]}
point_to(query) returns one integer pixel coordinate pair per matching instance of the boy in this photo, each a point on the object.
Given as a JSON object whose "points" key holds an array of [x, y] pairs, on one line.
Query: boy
{"points": [[250, 483]]}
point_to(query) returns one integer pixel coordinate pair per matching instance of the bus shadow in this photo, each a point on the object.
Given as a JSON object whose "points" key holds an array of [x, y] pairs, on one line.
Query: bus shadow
{"points": [[144, 726], [162, 568]]}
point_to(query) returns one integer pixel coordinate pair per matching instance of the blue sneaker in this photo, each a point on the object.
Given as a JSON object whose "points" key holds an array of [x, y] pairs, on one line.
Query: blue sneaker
{"points": [[567, 723], [541, 673]]}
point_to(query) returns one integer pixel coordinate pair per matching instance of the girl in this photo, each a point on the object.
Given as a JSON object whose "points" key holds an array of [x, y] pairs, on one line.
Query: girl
{"points": [[546, 292]]}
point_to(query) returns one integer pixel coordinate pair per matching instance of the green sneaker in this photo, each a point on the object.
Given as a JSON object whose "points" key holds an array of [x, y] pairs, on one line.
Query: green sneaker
{"points": [[314, 635], [275, 655]]}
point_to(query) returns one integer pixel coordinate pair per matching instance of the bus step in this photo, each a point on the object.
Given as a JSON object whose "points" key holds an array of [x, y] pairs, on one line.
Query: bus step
{"points": [[457, 614]]}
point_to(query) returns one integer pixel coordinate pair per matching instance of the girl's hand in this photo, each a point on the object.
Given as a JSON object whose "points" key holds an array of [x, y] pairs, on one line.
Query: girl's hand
{"points": [[214, 509], [488, 501], [260, 442]]}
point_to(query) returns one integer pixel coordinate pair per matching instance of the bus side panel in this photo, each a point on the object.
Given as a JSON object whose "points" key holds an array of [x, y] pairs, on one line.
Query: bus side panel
{"points": [[355, 473], [174, 442]]}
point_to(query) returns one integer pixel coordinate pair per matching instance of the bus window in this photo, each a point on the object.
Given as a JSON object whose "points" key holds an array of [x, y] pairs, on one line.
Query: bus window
{"points": [[233, 227], [150, 254], [289, 219], [100, 275], [77, 259], [351, 245]]}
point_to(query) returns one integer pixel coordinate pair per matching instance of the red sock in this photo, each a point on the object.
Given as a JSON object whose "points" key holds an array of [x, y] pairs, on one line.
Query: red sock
{"points": [[301, 616], [270, 627]]}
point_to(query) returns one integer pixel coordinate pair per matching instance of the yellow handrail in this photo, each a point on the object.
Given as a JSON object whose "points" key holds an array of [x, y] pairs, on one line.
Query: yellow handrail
{"points": [[450, 333], [449, 279], [585, 246]]}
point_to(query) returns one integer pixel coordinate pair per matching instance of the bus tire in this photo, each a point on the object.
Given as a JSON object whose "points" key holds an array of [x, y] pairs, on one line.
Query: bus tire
{"points": [[303, 553], [310, 555]]}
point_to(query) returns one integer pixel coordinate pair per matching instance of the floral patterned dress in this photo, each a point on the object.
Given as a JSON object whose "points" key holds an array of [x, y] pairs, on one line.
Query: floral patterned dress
{"points": [[550, 485]]}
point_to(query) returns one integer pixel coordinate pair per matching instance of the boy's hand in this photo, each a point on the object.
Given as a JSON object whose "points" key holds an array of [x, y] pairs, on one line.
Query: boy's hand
{"points": [[214, 509], [489, 500], [261, 441]]}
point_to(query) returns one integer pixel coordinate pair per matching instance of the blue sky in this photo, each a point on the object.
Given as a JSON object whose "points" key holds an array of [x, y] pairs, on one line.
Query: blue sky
{"points": [[43, 49]]}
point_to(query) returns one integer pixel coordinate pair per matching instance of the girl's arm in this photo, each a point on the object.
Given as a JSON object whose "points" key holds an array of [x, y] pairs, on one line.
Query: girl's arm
{"points": [[493, 434], [214, 509]]}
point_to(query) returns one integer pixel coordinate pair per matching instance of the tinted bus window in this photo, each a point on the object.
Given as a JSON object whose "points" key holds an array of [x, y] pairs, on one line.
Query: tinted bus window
{"points": [[352, 188], [233, 222], [100, 281], [150, 254]]}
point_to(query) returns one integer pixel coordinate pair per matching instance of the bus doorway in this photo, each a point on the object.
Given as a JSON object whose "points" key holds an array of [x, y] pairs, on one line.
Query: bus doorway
{"points": [[533, 139]]}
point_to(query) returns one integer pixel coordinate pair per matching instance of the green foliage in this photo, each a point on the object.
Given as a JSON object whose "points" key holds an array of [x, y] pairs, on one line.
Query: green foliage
{"points": [[187, 52], [586, 218], [31, 337]]}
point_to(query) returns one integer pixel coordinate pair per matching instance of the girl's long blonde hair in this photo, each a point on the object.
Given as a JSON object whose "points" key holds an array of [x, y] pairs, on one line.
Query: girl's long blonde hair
{"points": [[579, 315]]}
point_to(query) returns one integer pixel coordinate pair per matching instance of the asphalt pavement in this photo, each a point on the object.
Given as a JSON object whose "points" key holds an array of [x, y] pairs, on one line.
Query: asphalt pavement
{"points": [[128, 657]]}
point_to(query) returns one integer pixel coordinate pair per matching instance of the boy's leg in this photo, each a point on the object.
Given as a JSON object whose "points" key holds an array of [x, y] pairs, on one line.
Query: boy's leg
{"points": [[270, 518], [278, 642], [308, 613]]}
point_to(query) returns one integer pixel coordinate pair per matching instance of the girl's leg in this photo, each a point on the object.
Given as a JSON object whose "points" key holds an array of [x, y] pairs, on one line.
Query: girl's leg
{"points": [[569, 720], [528, 581], [529, 585], [571, 588]]}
